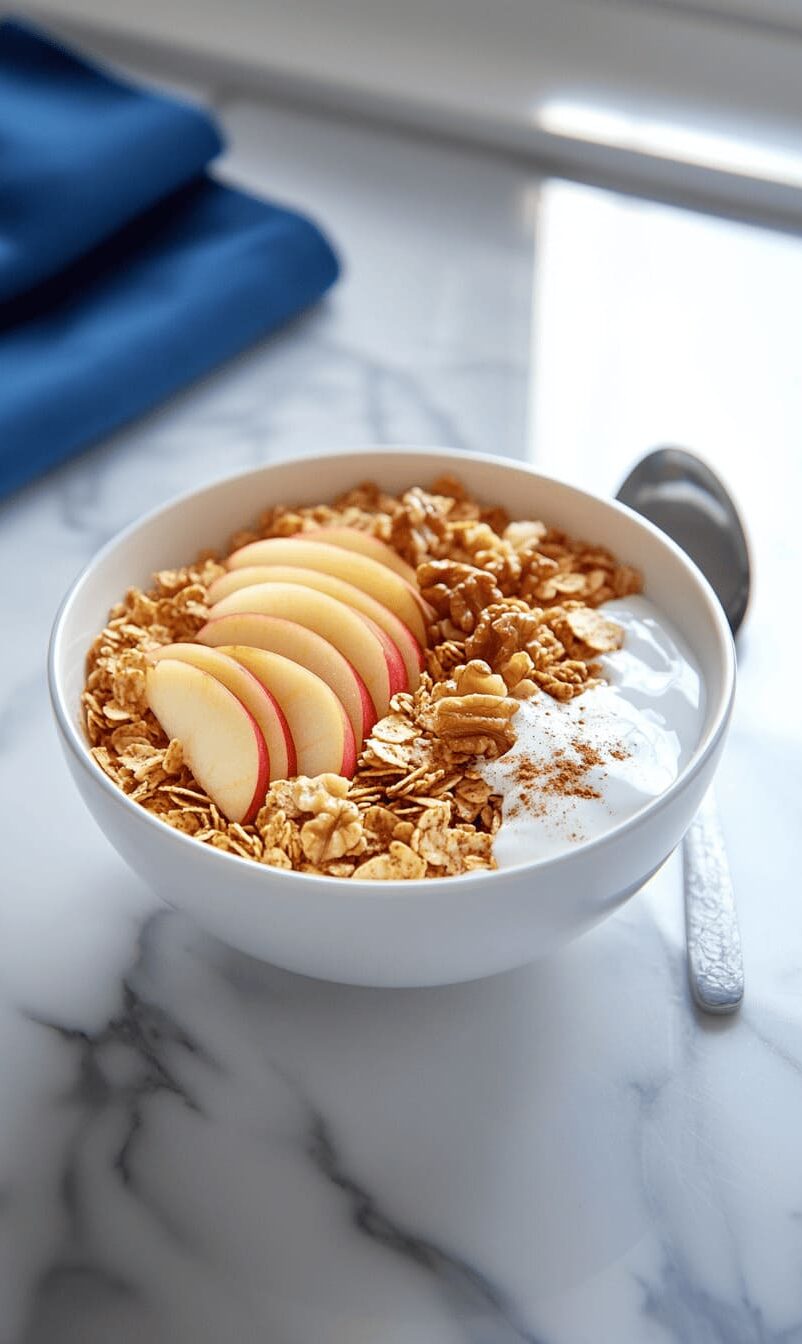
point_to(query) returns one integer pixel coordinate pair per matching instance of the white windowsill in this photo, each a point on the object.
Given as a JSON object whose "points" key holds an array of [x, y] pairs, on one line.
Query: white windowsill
{"points": [[645, 96]]}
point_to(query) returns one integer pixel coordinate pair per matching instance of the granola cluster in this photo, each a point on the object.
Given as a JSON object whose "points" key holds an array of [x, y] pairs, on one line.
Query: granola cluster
{"points": [[515, 614]]}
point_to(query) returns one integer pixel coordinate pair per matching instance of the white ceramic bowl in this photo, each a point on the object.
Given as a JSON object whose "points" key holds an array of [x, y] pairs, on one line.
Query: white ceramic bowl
{"points": [[392, 933]]}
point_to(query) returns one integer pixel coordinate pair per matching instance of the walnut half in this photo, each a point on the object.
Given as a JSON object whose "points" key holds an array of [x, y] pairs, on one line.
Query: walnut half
{"points": [[478, 725]]}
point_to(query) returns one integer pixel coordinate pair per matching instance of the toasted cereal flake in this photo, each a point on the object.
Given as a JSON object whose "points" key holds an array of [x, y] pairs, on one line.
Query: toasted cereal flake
{"points": [[381, 822], [276, 858], [521, 535], [404, 831], [182, 820], [105, 761], [173, 761], [134, 730], [128, 682], [444, 846], [378, 752], [470, 796], [399, 863], [569, 583], [599, 633], [115, 714], [194, 794], [280, 796], [394, 728], [338, 868], [274, 828]]}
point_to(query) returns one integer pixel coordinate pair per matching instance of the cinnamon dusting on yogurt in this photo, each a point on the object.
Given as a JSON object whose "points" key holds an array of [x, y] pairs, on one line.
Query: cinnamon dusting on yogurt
{"points": [[578, 768], [565, 774]]}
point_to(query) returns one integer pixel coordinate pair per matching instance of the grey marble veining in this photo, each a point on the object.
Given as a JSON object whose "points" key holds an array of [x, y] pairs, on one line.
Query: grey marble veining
{"points": [[195, 1147]]}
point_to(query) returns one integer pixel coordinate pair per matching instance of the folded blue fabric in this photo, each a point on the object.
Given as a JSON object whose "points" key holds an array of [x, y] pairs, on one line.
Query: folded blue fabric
{"points": [[124, 270]]}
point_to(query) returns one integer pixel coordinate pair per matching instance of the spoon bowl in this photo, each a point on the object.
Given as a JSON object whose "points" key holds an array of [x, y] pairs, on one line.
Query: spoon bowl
{"points": [[682, 496]]}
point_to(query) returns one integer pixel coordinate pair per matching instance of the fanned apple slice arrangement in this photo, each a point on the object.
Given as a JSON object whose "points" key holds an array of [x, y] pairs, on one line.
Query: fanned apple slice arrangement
{"points": [[309, 638]]}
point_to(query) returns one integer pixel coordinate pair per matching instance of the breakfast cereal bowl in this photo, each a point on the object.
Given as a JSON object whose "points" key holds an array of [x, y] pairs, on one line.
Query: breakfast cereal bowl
{"points": [[430, 930]]}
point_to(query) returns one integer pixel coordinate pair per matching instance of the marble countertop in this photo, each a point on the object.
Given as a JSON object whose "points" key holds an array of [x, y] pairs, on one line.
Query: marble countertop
{"points": [[195, 1147]]}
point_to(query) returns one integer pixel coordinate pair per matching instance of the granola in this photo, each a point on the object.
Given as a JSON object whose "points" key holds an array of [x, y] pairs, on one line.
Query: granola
{"points": [[514, 615]]}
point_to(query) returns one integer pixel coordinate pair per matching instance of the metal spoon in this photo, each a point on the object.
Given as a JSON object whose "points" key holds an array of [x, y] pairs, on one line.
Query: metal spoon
{"points": [[686, 499]]}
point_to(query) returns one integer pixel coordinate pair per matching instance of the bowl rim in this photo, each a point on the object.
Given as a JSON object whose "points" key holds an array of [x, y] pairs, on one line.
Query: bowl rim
{"points": [[393, 888]]}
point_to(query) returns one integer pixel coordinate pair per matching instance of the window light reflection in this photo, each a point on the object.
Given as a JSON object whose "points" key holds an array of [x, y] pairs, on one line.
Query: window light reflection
{"points": [[668, 140]]}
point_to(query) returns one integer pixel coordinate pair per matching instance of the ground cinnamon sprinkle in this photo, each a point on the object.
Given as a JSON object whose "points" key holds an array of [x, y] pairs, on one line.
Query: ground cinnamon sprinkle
{"points": [[561, 775], [515, 615], [564, 775]]}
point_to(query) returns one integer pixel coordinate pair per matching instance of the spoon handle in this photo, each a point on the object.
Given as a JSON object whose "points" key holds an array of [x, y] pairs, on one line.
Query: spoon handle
{"points": [[715, 963]]}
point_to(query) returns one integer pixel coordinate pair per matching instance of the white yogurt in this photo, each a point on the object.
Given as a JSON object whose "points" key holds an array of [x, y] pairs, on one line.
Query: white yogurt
{"points": [[641, 727]]}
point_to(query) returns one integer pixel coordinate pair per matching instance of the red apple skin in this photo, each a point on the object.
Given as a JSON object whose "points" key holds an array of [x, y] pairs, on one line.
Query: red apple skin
{"points": [[418, 648], [261, 788], [428, 612], [263, 780], [369, 716], [280, 635], [350, 631], [348, 767], [292, 763], [414, 658], [396, 671], [311, 706]]}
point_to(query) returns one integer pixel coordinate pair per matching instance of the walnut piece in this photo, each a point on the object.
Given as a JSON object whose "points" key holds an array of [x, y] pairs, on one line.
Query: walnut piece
{"points": [[477, 679], [335, 831], [479, 725]]}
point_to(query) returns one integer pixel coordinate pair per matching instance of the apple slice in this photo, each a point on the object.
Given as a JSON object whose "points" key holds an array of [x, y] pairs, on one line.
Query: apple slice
{"points": [[351, 539], [396, 670], [324, 738], [373, 578], [303, 646], [357, 638], [256, 698], [223, 745], [400, 635]]}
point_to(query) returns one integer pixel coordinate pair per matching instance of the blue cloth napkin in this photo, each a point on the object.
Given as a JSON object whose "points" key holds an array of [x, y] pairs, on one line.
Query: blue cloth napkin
{"points": [[125, 271]]}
